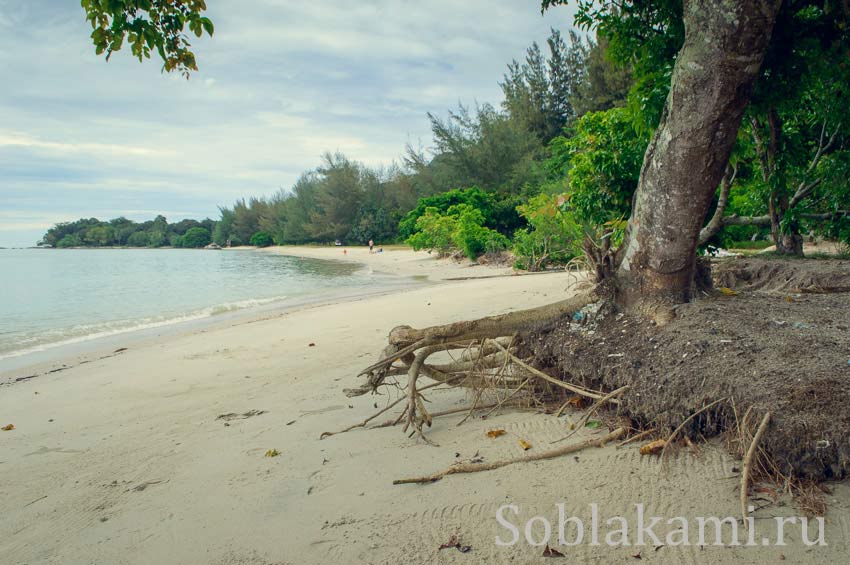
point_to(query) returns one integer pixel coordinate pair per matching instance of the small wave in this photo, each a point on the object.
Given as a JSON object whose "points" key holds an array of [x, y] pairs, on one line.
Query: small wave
{"points": [[79, 333]]}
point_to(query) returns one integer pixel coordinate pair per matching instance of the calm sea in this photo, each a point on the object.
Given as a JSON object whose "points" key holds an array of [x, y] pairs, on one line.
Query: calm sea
{"points": [[55, 297]]}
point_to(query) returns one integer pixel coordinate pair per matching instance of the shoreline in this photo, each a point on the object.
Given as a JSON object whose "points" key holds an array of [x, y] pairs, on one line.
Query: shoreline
{"points": [[406, 270], [156, 454]]}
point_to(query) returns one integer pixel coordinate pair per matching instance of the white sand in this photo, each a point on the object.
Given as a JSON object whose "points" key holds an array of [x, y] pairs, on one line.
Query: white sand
{"points": [[122, 460]]}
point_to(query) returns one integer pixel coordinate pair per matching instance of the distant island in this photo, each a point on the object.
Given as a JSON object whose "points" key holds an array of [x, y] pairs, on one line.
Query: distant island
{"points": [[121, 232]]}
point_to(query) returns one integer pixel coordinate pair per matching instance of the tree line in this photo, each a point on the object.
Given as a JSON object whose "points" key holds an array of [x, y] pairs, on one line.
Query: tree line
{"points": [[121, 232], [559, 161]]}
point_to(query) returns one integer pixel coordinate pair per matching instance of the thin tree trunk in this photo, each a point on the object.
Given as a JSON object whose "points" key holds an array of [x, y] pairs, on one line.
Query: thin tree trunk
{"points": [[725, 42]]}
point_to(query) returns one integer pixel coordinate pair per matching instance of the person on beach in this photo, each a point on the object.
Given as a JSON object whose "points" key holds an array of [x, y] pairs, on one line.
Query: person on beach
{"points": [[371, 245]]}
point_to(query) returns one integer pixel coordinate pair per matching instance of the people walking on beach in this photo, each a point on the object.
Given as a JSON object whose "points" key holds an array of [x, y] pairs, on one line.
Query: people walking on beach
{"points": [[371, 245]]}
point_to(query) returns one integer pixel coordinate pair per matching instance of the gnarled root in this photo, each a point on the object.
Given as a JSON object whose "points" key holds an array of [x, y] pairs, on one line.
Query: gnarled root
{"points": [[483, 357]]}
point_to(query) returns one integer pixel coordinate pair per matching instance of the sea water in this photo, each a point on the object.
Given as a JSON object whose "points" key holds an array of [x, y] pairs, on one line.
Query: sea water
{"points": [[52, 297]]}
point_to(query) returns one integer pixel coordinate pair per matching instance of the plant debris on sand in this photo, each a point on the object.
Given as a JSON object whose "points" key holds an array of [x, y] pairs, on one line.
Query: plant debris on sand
{"points": [[773, 337], [784, 349]]}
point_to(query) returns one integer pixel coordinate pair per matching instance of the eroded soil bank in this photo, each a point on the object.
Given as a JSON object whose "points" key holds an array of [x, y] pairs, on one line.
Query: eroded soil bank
{"points": [[779, 343]]}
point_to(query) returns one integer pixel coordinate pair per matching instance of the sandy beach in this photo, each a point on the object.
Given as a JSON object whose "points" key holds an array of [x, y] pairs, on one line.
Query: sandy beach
{"points": [[156, 454]]}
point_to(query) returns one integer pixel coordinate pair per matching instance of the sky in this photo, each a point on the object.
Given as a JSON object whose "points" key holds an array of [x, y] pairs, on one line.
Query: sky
{"points": [[280, 83]]}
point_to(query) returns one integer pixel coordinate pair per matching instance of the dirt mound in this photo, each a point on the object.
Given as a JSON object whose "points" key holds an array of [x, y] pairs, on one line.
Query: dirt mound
{"points": [[783, 352], [793, 275]]}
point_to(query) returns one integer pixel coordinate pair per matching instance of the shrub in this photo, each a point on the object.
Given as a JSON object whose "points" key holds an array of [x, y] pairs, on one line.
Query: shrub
{"points": [[262, 239], [459, 228], [138, 239], [498, 211], [195, 237], [553, 236], [602, 161], [470, 235], [434, 232], [70, 240]]}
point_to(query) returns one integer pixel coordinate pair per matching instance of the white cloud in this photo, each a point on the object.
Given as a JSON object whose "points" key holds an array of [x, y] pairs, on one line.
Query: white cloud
{"points": [[13, 139], [281, 82]]}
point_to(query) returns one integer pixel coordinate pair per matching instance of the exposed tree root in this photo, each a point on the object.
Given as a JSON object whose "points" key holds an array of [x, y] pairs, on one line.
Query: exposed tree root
{"points": [[485, 358], [607, 398], [636, 437], [550, 454], [748, 463], [494, 326], [375, 415], [672, 437]]}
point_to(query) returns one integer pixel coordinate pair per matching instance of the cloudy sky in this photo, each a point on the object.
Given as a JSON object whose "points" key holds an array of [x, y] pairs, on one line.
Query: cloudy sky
{"points": [[281, 82]]}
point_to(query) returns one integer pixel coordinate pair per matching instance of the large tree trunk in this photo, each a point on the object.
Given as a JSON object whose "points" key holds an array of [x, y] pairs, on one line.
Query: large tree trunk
{"points": [[725, 42]]}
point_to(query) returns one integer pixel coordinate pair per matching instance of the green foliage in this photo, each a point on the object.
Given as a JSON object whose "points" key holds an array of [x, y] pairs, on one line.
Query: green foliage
{"points": [[488, 148], [91, 232], [339, 200], [461, 228], [434, 231], [98, 236], [538, 91], [605, 84], [553, 237], [195, 237], [470, 235], [138, 239], [602, 160], [373, 223], [70, 240], [147, 26], [262, 239], [499, 213]]}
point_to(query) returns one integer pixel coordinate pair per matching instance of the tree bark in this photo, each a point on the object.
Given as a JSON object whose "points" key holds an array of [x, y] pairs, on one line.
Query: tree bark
{"points": [[725, 43]]}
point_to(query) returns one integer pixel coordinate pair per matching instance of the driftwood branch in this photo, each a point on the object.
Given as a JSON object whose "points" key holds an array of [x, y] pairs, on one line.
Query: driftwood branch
{"points": [[550, 454]]}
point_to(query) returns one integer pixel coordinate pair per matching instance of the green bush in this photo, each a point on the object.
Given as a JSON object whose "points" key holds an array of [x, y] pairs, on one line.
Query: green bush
{"points": [[70, 240], [138, 239], [498, 211], [602, 161], [262, 239], [195, 237], [433, 232], [461, 228], [156, 239], [552, 238], [470, 235]]}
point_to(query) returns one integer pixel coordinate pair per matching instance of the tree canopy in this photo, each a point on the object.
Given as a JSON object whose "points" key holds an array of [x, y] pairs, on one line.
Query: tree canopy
{"points": [[577, 117], [148, 26]]}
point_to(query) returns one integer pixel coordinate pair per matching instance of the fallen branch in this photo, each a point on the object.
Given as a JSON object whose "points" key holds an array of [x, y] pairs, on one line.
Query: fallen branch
{"points": [[748, 461], [552, 453]]}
